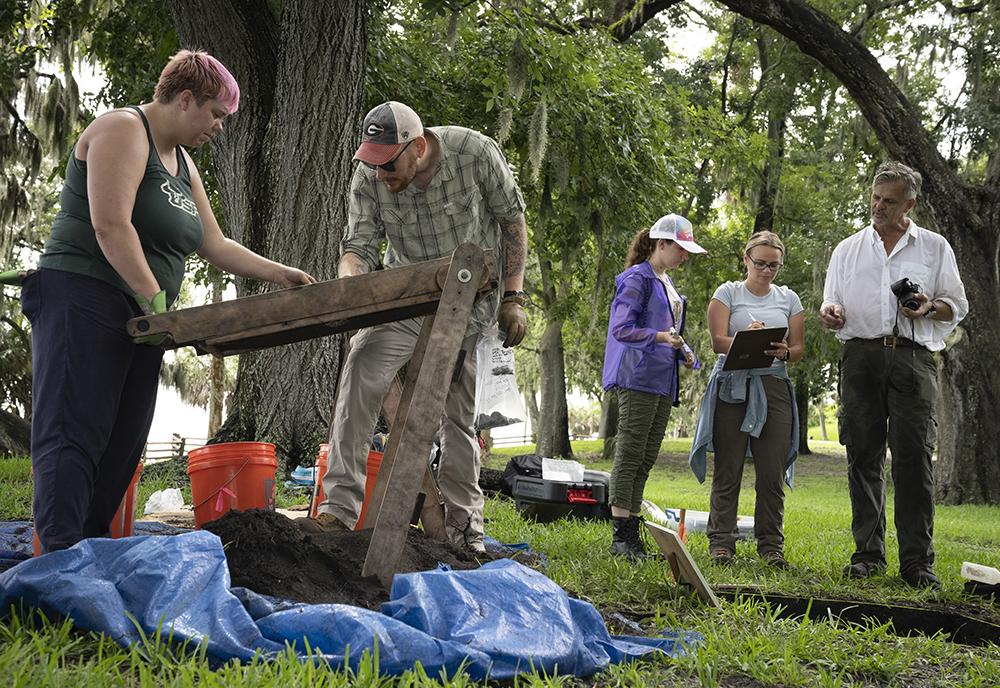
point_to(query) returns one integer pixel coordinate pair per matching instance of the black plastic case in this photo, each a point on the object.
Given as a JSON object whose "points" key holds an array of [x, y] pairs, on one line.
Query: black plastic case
{"points": [[548, 500]]}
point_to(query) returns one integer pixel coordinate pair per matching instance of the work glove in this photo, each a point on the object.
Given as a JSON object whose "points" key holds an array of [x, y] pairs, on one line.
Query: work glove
{"points": [[153, 306], [513, 321], [13, 278]]}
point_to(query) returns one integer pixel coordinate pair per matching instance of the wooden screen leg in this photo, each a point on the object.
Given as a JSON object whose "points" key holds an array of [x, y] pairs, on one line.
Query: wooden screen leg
{"points": [[395, 405], [417, 422], [396, 423]]}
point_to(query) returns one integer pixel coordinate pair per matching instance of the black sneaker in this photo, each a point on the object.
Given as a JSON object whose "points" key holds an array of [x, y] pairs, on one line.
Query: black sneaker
{"points": [[864, 569], [921, 578]]}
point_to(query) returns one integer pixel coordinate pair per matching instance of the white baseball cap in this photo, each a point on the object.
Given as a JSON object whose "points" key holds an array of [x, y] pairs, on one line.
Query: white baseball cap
{"points": [[386, 129], [677, 229]]}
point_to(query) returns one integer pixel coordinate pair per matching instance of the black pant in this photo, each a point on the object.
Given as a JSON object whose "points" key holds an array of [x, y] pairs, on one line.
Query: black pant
{"points": [[887, 396], [93, 395]]}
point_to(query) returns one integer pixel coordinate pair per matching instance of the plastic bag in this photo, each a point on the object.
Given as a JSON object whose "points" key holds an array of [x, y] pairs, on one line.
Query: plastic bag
{"points": [[164, 500], [498, 401]]}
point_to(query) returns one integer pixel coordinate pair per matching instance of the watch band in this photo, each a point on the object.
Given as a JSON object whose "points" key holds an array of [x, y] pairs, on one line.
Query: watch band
{"points": [[930, 311], [508, 294]]}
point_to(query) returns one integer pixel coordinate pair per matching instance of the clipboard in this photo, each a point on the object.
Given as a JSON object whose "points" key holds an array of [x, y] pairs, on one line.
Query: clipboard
{"points": [[747, 349]]}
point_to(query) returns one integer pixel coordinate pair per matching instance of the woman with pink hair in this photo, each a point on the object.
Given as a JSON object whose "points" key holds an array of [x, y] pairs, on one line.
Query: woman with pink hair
{"points": [[133, 207]]}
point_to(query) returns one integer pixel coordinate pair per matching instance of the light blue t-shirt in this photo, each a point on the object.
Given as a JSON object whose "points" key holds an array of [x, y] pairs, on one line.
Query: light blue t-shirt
{"points": [[773, 310]]}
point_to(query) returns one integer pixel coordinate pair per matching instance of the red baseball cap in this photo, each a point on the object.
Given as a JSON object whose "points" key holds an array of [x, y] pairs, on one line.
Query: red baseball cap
{"points": [[386, 129]]}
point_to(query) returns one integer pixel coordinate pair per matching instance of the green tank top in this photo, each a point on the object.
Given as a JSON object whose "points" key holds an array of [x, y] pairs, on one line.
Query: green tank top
{"points": [[164, 215]]}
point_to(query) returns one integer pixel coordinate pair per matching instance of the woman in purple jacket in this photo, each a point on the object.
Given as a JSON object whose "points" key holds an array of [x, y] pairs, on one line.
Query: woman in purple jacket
{"points": [[641, 362]]}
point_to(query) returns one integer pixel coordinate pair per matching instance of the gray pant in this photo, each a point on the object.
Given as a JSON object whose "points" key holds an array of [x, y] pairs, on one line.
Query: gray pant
{"points": [[642, 422], [377, 353], [887, 396], [770, 453]]}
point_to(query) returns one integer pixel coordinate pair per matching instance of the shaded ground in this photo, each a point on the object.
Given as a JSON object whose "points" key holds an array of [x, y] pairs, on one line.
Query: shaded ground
{"points": [[269, 554]]}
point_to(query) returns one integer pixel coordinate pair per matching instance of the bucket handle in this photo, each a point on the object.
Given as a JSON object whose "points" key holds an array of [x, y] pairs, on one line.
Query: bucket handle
{"points": [[221, 487]]}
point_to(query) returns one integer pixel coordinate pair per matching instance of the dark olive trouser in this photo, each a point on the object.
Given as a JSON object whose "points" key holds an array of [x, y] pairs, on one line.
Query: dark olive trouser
{"points": [[887, 396], [770, 454], [642, 422]]}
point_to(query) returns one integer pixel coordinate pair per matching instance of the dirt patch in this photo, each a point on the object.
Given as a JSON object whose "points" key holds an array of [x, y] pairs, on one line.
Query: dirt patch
{"points": [[269, 554]]}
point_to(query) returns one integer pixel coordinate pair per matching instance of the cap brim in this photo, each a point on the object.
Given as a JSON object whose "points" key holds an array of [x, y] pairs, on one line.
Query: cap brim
{"points": [[690, 246], [377, 153]]}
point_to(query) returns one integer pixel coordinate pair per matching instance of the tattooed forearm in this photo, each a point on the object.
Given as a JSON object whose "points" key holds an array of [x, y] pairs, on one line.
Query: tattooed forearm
{"points": [[515, 247]]}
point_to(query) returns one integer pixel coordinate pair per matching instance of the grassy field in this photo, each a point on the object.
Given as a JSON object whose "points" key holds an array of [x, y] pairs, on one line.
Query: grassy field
{"points": [[747, 643]]}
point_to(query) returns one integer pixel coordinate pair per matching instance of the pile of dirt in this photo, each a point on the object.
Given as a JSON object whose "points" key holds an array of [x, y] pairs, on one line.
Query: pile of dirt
{"points": [[269, 554]]}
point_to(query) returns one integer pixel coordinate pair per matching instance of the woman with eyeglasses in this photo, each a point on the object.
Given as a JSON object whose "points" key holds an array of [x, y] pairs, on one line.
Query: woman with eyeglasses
{"points": [[751, 412]]}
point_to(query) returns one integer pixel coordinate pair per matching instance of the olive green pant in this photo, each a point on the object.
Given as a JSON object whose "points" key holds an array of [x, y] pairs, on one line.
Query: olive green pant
{"points": [[642, 422], [887, 397], [770, 454]]}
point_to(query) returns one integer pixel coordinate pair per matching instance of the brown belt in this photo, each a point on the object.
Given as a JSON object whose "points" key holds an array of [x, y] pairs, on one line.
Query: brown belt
{"points": [[889, 342]]}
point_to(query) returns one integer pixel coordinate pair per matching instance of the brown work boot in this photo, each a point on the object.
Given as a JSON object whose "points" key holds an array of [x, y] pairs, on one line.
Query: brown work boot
{"points": [[323, 523], [776, 560]]}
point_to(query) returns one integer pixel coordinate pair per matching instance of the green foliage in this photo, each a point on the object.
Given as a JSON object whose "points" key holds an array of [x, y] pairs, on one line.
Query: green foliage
{"points": [[132, 66]]}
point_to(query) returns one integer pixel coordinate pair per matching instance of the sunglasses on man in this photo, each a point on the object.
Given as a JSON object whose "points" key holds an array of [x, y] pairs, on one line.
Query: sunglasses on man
{"points": [[391, 165]]}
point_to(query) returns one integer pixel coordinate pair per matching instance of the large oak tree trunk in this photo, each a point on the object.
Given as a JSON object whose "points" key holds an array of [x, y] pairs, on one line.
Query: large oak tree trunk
{"points": [[284, 165], [553, 423]]}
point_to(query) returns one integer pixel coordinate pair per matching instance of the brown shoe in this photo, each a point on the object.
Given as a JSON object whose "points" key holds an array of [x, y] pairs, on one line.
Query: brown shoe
{"points": [[775, 560], [721, 555], [323, 523]]}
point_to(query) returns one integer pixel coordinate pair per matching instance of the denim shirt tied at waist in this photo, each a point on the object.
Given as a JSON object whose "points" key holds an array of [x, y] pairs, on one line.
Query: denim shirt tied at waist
{"points": [[736, 387]]}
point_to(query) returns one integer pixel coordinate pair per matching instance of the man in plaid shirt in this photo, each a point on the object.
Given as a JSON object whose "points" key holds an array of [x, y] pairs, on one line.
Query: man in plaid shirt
{"points": [[422, 192]]}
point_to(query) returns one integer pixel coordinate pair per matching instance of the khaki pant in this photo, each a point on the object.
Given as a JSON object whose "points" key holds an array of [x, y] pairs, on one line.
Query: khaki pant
{"points": [[377, 353], [770, 453]]}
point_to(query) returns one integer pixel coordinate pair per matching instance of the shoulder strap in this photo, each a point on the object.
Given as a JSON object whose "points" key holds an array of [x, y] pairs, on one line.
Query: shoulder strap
{"points": [[145, 123]]}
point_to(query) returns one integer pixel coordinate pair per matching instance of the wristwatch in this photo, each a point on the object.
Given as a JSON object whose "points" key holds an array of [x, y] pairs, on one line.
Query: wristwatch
{"points": [[930, 311], [507, 294]]}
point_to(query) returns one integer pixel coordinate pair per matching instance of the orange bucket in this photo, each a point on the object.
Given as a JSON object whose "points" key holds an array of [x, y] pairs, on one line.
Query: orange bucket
{"points": [[322, 459], [123, 523], [231, 475]]}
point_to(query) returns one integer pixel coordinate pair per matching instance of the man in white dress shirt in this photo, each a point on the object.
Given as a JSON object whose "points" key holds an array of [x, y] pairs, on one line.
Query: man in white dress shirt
{"points": [[888, 374]]}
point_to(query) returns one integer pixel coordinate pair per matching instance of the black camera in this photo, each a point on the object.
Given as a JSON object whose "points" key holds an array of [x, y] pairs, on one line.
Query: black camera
{"points": [[904, 290]]}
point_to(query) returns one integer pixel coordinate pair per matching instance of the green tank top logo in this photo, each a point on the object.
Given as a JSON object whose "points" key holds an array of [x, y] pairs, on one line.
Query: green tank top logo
{"points": [[177, 199]]}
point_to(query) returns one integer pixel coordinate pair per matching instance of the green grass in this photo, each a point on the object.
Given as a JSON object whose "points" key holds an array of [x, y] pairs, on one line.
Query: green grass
{"points": [[746, 642]]}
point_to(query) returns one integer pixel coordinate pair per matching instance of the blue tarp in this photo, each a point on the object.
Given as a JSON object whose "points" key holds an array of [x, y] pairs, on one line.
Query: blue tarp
{"points": [[501, 619]]}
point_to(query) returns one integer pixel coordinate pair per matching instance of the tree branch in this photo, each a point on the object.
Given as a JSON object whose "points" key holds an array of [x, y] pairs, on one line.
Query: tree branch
{"points": [[887, 110], [873, 10], [723, 91], [967, 9], [626, 25]]}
